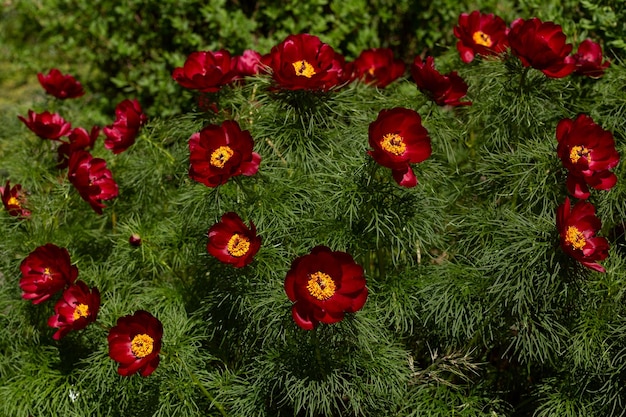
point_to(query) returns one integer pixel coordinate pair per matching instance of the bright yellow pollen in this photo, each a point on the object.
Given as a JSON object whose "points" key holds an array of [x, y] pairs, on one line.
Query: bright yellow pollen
{"points": [[481, 38], [393, 143], [578, 152], [238, 245], [13, 201], [46, 273], [81, 310], [575, 237], [303, 69], [321, 285], [141, 345], [220, 156]]}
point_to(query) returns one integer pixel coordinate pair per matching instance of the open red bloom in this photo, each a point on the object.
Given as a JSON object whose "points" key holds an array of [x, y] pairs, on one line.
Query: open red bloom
{"points": [[77, 307], [232, 242], [120, 135], [578, 228], [206, 71], [445, 89], [46, 125], [588, 152], [92, 179], [79, 140], [13, 200], [480, 34], [399, 139], [588, 59], [220, 152], [59, 85], [304, 62], [135, 342], [541, 45], [376, 66], [324, 285], [46, 271]]}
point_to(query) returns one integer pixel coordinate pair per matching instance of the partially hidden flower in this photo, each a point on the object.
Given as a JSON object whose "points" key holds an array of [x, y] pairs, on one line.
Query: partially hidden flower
{"points": [[59, 85], [91, 178], [398, 139], [577, 227], [247, 64], [46, 125], [219, 152], [377, 67], [135, 343], [232, 242], [480, 34], [78, 140], [129, 118], [588, 59], [134, 240], [443, 89], [77, 307], [205, 71], [324, 285], [46, 271], [14, 199], [588, 152], [542, 45]]}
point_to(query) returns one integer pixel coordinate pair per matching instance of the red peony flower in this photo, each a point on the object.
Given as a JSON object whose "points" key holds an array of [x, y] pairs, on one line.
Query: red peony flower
{"points": [[445, 89], [79, 140], [399, 139], [46, 271], [376, 66], [59, 85], [588, 152], [304, 62], [324, 285], [46, 125], [135, 342], [232, 242], [480, 34], [247, 64], [578, 228], [588, 59], [120, 135], [541, 45], [76, 308], [13, 200], [220, 152], [205, 71], [92, 179]]}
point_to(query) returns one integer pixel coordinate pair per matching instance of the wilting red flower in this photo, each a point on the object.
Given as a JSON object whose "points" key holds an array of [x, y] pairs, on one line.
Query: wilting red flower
{"points": [[247, 64], [92, 179], [13, 200], [135, 342], [324, 285], [588, 152], [578, 228], [399, 139], [79, 140], [304, 62], [206, 71], [232, 242], [376, 66], [480, 34], [120, 135], [445, 89], [541, 45], [46, 271], [77, 307], [220, 152], [588, 59], [59, 85], [46, 125]]}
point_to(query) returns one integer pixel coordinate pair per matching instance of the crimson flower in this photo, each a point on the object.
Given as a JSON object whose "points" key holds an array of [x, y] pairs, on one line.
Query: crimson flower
{"points": [[120, 135], [46, 271], [92, 179], [59, 85], [445, 89], [135, 342], [324, 285], [232, 242], [46, 125], [79, 140], [480, 34], [588, 59], [376, 66], [588, 152], [541, 45], [13, 200], [247, 64], [77, 307], [577, 228], [220, 152], [206, 71]]}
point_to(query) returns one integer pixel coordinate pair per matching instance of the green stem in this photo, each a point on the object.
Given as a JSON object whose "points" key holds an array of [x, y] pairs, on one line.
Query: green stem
{"points": [[522, 81], [160, 149], [316, 346], [206, 392]]}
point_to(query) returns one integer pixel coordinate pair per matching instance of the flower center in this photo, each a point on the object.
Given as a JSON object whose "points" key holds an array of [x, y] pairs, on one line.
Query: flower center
{"points": [[481, 38], [575, 237], [13, 201], [220, 156], [81, 310], [321, 285], [578, 152], [303, 69], [238, 245], [141, 345], [46, 273], [393, 143]]}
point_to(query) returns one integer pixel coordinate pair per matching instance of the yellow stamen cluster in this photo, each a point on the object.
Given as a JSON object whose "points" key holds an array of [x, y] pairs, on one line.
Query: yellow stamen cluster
{"points": [[141, 345], [81, 310], [578, 152], [393, 143], [46, 273], [303, 69], [481, 38], [13, 201], [575, 237], [321, 286], [238, 245], [220, 156]]}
